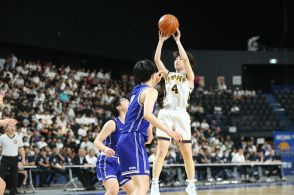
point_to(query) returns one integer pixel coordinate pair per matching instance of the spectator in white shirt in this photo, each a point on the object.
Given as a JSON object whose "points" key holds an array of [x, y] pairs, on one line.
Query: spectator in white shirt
{"points": [[59, 144], [26, 141], [42, 143], [100, 74], [91, 157], [82, 131], [107, 75], [2, 62], [19, 133], [238, 157], [86, 144], [204, 125], [13, 61]]}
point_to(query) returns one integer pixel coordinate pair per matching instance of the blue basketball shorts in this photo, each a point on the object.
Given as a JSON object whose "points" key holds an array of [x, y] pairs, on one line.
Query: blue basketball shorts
{"points": [[109, 167], [132, 154]]}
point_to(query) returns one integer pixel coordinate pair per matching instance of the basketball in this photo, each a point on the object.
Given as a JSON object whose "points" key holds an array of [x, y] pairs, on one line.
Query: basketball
{"points": [[168, 24]]}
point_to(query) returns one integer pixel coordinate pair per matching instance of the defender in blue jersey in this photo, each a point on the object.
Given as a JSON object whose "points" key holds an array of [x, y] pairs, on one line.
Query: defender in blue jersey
{"points": [[130, 146], [108, 164]]}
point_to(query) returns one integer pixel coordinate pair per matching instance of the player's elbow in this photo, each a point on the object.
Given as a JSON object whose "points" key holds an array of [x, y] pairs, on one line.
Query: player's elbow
{"points": [[157, 60]]}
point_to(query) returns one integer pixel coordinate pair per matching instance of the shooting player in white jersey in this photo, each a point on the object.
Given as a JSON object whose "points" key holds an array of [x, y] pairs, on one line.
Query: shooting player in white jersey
{"points": [[178, 86]]}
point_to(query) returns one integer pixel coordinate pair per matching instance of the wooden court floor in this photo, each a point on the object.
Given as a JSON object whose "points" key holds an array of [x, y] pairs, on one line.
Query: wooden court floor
{"points": [[267, 190]]}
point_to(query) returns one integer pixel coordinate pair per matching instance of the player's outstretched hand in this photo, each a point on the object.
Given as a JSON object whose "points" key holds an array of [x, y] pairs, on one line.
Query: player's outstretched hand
{"points": [[163, 37], [8, 121], [178, 36], [109, 152], [176, 136]]}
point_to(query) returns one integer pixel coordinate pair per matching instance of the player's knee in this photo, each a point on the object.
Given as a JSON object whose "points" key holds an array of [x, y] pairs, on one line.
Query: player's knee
{"points": [[146, 188], [143, 188], [161, 153], [112, 191]]}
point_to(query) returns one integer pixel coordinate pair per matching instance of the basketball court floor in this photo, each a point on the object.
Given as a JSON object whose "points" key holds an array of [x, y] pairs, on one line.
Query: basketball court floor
{"points": [[273, 190], [279, 188]]}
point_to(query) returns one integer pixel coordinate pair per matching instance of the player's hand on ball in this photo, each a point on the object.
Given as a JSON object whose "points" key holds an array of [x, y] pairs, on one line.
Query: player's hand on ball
{"points": [[178, 36], [162, 36], [176, 136], [109, 152]]}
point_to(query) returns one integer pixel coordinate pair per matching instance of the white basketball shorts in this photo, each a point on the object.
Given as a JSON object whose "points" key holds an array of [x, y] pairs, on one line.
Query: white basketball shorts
{"points": [[177, 120]]}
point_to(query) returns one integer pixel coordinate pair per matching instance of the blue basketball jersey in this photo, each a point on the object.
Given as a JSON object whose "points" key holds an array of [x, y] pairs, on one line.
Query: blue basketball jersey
{"points": [[112, 139], [135, 121]]}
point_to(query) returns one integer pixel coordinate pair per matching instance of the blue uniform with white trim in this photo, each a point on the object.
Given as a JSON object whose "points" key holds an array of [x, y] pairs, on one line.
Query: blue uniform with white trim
{"points": [[109, 167], [130, 146]]}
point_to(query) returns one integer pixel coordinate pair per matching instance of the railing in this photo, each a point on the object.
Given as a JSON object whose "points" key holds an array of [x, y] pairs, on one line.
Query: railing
{"points": [[72, 180]]}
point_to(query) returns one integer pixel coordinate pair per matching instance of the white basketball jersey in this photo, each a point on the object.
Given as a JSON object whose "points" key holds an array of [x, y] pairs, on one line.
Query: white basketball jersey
{"points": [[177, 91]]}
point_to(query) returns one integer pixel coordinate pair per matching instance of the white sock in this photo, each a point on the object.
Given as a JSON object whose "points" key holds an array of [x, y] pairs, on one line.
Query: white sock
{"points": [[191, 182], [155, 180]]}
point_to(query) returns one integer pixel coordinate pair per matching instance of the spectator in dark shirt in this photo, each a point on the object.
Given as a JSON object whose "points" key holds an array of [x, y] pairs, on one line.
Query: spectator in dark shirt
{"points": [[83, 174], [42, 161], [226, 158], [273, 170], [56, 161], [201, 159], [253, 157], [253, 171]]}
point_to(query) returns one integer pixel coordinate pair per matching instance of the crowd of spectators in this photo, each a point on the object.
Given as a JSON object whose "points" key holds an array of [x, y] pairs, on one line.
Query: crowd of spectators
{"points": [[61, 110]]}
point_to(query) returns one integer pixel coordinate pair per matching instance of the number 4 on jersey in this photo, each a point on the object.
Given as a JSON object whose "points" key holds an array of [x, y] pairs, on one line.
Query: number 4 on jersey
{"points": [[175, 89]]}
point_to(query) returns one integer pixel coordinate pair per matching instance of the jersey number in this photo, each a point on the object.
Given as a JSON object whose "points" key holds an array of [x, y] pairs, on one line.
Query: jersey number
{"points": [[175, 89]]}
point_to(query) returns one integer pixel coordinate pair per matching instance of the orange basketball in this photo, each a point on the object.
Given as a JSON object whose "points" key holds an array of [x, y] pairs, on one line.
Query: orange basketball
{"points": [[168, 24]]}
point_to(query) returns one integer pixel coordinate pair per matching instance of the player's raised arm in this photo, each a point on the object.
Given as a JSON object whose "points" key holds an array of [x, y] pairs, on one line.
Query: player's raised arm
{"points": [[157, 57], [107, 129], [184, 56], [150, 99]]}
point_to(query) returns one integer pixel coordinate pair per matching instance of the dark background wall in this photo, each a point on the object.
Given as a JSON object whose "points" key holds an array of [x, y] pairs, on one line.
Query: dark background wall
{"points": [[114, 34], [212, 64], [127, 30]]}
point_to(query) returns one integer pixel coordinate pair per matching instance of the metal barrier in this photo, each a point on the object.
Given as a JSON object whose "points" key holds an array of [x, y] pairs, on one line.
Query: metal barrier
{"points": [[29, 168], [72, 180], [233, 165]]}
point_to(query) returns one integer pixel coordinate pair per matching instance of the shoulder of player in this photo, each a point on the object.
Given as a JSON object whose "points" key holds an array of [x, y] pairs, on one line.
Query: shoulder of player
{"points": [[111, 123], [150, 90]]}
